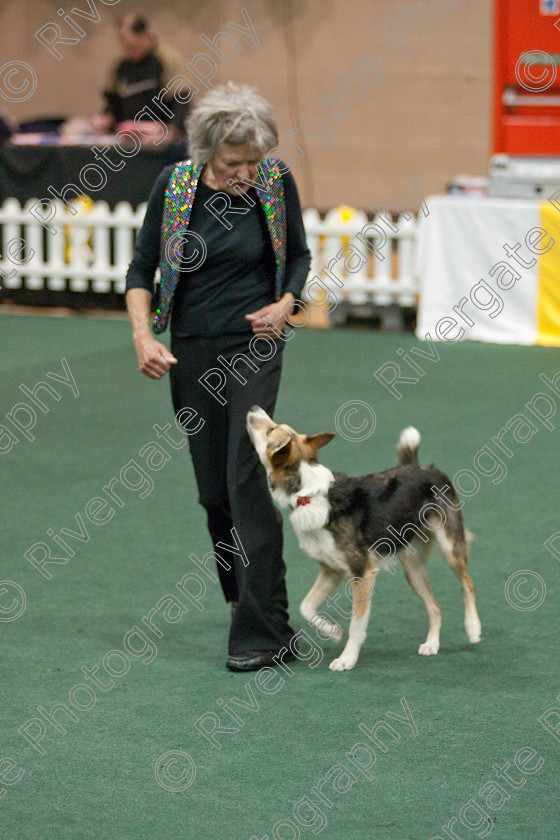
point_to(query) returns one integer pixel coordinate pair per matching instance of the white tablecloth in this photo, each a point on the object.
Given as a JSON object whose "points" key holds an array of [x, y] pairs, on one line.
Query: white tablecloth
{"points": [[461, 242]]}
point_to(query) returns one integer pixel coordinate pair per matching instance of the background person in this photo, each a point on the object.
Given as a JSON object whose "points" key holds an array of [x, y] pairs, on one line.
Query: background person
{"points": [[249, 278], [138, 77]]}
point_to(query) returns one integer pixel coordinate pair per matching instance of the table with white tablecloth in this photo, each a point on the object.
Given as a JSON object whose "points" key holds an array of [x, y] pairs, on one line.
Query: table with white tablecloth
{"points": [[489, 270]]}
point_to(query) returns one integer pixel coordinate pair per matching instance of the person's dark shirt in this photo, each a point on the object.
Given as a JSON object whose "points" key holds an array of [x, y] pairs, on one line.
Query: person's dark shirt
{"points": [[136, 85], [237, 273]]}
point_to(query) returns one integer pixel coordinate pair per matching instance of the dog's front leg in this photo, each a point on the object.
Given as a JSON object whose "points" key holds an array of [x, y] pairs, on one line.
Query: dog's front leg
{"points": [[327, 581], [362, 591]]}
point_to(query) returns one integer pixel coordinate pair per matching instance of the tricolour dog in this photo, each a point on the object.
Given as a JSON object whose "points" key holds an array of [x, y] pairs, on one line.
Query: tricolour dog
{"points": [[352, 526]]}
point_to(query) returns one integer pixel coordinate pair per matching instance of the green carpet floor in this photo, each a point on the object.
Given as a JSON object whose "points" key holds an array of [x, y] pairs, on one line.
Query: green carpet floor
{"points": [[460, 750]]}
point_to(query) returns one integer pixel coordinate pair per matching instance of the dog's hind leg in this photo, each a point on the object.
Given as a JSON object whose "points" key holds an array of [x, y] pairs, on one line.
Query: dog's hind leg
{"points": [[414, 566], [453, 545], [327, 581], [362, 591]]}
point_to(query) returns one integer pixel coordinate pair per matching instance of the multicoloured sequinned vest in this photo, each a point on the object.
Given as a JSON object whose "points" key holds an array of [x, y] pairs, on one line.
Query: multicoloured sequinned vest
{"points": [[178, 202]]}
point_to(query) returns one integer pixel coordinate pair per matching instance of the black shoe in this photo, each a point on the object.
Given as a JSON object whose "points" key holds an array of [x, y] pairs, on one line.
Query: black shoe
{"points": [[253, 660]]}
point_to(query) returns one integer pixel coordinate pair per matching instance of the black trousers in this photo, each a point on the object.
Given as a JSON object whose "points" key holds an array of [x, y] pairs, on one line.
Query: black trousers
{"points": [[231, 481]]}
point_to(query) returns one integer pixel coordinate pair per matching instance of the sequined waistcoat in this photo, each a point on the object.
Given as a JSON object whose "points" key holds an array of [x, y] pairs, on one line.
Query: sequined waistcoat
{"points": [[178, 202]]}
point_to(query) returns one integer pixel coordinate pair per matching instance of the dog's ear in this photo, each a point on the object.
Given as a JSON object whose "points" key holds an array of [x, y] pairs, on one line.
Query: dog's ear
{"points": [[315, 442], [280, 450]]}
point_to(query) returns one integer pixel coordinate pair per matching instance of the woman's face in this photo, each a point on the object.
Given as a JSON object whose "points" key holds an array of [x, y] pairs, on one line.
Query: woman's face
{"points": [[232, 163]]}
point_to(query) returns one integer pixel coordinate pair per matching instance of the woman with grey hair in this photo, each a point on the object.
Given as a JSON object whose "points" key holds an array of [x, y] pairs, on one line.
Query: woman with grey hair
{"points": [[225, 228]]}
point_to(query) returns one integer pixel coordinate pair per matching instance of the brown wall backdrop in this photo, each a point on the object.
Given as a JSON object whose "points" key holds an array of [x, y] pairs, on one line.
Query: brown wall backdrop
{"points": [[427, 117]]}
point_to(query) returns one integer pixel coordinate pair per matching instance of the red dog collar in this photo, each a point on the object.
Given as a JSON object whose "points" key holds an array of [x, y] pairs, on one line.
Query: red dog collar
{"points": [[303, 500]]}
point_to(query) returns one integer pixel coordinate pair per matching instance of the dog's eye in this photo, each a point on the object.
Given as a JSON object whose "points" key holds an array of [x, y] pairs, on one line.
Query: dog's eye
{"points": [[268, 431]]}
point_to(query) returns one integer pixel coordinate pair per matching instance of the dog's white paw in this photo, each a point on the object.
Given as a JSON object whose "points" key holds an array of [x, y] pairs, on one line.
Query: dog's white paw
{"points": [[428, 649], [473, 628], [325, 628], [330, 631], [343, 663], [338, 634]]}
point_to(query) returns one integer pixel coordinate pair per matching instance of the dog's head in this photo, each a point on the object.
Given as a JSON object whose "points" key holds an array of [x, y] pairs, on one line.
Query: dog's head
{"points": [[278, 445]]}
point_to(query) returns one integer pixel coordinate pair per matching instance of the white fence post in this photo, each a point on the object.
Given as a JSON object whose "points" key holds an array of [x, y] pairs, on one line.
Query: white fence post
{"points": [[55, 250], [101, 247], [11, 232]]}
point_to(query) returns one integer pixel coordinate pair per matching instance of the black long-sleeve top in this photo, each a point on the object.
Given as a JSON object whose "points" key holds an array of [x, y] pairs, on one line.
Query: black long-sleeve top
{"points": [[237, 274]]}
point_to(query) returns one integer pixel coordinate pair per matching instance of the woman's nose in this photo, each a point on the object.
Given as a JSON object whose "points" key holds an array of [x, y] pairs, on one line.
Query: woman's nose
{"points": [[243, 171]]}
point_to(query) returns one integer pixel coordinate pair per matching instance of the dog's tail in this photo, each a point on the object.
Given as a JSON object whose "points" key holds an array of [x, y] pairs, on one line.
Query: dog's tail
{"points": [[407, 447]]}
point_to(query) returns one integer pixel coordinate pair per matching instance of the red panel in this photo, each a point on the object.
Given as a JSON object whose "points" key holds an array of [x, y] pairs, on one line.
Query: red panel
{"points": [[528, 122]]}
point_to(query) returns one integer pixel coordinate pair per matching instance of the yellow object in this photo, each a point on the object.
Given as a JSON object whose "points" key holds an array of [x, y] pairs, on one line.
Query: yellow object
{"points": [[548, 302], [83, 205]]}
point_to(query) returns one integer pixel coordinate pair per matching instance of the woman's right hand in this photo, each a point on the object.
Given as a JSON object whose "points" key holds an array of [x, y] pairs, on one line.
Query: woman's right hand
{"points": [[154, 359]]}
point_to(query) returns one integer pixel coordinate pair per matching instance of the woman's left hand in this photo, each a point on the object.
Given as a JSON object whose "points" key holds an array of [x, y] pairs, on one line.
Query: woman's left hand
{"points": [[270, 319]]}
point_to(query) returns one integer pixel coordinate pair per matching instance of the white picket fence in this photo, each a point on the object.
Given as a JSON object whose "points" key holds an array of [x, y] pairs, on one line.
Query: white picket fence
{"points": [[344, 235], [90, 251]]}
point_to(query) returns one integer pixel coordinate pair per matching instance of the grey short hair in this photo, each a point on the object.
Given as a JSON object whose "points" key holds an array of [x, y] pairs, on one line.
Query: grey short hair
{"points": [[232, 114]]}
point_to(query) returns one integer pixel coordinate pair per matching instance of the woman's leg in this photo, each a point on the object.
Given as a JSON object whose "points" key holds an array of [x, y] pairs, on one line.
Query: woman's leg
{"points": [[208, 446], [261, 620]]}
